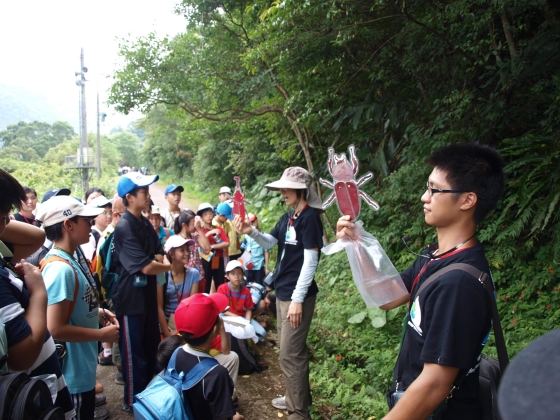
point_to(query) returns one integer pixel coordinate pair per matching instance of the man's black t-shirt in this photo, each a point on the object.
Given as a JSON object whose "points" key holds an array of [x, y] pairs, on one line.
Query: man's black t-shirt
{"points": [[135, 242], [449, 325], [295, 235], [211, 397]]}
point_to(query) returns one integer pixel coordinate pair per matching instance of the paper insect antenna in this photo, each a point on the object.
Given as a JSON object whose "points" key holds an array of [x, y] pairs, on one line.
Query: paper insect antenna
{"points": [[238, 199], [346, 188]]}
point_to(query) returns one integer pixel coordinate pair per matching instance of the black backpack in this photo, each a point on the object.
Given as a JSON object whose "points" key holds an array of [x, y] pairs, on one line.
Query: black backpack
{"points": [[247, 361], [23, 398]]}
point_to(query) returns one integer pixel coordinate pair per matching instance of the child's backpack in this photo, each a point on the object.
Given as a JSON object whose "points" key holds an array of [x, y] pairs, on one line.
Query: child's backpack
{"points": [[163, 398], [104, 268], [247, 360], [258, 293], [22, 398]]}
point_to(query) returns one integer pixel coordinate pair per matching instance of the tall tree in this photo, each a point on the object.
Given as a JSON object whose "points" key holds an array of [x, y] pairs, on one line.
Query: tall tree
{"points": [[29, 141]]}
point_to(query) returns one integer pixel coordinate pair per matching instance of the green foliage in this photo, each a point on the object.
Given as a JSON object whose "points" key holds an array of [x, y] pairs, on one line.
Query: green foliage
{"points": [[31, 141], [352, 361], [48, 171], [254, 87], [128, 146]]}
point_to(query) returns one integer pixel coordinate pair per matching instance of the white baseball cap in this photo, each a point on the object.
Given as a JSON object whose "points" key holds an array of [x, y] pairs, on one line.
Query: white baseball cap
{"points": [[62, 207], [234, 264], [176, 241], [100, 201], [204, 206], [225, 190]]}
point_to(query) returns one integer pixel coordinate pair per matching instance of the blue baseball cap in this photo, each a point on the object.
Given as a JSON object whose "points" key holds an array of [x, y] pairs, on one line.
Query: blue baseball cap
{"points": [[225, 210], [172, 188], [133, 180]]}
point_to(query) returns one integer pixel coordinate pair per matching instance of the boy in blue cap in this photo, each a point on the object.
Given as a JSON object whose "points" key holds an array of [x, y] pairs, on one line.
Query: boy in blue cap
{"points": [[139, 259], [173, 196]]}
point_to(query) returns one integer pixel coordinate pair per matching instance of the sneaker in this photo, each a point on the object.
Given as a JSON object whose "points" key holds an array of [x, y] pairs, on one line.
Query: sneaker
{"points": [[105, 361], [100, 414], [279, 403], [126, 407], [119, 378], [100, 399]]}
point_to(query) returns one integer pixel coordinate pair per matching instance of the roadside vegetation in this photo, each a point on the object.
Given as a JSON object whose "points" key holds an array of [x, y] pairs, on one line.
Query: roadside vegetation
{"points": [[253, 87]]}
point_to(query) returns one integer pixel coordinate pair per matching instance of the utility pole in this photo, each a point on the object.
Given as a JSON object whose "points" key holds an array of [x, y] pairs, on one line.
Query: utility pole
{"points": [[83, 123], [98, 139]]}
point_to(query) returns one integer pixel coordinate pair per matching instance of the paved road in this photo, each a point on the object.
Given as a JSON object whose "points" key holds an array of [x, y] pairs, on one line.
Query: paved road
{"points": [[156, 191]]}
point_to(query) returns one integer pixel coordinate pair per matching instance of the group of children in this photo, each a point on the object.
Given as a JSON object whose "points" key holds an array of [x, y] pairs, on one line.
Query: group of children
{"points": [[199, 253]]}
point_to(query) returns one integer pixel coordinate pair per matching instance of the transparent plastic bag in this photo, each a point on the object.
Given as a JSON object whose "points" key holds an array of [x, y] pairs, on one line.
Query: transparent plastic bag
{"points": [[374, 274]]}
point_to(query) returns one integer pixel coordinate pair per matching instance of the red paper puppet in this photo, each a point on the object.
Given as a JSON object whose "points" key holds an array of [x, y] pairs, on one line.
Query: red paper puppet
{"points": [[238, 199], [373, 272], [347, 191]]}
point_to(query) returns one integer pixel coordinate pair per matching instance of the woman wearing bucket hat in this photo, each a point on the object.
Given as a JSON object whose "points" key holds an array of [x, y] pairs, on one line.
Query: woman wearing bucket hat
{"points": [[299, 237]]}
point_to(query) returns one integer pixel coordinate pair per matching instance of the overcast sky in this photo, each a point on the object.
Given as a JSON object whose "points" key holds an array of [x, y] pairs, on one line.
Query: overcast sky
{"points": [[40, 43]]}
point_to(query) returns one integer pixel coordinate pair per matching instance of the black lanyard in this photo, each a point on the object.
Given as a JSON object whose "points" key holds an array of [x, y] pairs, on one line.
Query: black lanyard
{"points": [[182, 287], [79, 264]]}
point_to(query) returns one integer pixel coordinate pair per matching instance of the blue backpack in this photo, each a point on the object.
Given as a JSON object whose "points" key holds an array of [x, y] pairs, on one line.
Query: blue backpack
{"points": [[163, 398]]}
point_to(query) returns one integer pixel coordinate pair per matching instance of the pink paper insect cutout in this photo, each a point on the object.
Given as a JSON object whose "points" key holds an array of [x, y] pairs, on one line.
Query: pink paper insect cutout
{"points": [[347, 191], [238, 199]]}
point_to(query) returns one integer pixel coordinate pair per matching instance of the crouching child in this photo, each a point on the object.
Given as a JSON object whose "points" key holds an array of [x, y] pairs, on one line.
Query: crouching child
{"points": [[197, 320]]}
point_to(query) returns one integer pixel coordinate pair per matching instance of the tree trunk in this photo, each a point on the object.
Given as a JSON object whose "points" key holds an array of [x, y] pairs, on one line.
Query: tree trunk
{"points": [[509, 35]]}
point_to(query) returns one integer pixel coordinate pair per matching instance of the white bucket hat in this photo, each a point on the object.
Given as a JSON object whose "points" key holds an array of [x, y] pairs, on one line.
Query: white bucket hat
{"points": [[297, 178]]}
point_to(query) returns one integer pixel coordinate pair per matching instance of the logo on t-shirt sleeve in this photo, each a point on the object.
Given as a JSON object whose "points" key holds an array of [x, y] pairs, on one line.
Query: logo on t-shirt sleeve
{"points": [[416, 316]]}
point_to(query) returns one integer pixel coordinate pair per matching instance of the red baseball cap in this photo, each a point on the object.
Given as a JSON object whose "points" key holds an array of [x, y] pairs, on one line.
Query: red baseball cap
{"points": [[197, 314]]}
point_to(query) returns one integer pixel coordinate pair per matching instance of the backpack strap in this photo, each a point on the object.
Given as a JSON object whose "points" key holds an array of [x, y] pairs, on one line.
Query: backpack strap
{"points": [[484, 278], [167, 232], [52, 258], [96, 235], [195, 375]]}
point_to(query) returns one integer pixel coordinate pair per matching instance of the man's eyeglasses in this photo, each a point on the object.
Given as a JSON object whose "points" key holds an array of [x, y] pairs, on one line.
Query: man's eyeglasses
{"points": [[107, 213], [433, 190]]}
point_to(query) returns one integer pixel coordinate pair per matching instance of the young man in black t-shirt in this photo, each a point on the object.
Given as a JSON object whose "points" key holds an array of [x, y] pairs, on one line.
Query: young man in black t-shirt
{"points": [[139, 259], [197, 320], [450, 321]]}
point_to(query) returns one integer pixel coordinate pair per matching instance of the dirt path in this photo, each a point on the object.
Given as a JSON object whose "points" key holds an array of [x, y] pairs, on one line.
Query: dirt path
{"points": [[255, 391]]}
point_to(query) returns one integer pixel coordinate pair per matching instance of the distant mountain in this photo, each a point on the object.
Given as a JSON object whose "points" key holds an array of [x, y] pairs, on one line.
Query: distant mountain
{"points": [[18, 104]]}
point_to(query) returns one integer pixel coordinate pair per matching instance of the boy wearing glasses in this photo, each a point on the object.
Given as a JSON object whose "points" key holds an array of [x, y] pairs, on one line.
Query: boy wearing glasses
{"points": [[449, 322], [73, 314]]}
